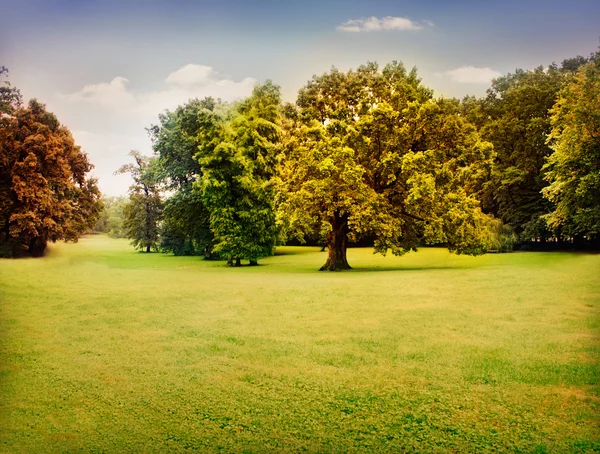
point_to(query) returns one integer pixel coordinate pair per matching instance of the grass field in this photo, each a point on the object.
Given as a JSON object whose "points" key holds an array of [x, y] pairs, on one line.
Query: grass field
{"points": [[103, 349]]}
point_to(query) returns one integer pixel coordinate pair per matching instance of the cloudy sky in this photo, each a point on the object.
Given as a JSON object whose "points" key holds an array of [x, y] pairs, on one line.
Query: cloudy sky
{"points": [[107, 68]]}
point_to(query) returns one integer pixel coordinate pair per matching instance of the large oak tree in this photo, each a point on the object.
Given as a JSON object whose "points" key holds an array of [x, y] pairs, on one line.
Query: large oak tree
{"points": [[370, 153]]}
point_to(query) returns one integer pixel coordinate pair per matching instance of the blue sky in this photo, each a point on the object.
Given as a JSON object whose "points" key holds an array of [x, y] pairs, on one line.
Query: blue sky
{"points": [[108, 68]]}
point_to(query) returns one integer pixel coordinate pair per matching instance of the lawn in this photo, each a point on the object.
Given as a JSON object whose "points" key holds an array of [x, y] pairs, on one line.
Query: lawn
{"points": [[104, 349]]}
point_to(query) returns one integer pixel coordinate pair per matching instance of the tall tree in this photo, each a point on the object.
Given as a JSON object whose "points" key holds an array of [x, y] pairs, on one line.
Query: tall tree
{"points": [[573, 169], [45, 193], [186, 225], [369, 152], [238, 162], [144, 210], [514, 117]]}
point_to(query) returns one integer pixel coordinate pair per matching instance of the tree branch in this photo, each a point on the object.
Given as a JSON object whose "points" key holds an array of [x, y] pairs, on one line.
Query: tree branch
{"points": [[412, 216]]}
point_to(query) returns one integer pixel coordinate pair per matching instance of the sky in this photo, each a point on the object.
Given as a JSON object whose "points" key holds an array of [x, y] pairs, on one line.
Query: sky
{"points": [[108, 68]]}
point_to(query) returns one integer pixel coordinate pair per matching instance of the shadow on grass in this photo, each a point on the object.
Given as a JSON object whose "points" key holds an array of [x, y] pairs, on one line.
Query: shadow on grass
{"points": [[374, 269], [21, 253], [298, 251]]}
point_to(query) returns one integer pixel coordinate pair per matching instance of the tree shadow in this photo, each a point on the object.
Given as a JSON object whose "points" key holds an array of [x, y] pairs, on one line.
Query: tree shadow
{"points": [[374, 269], [279, 252], [21, 253]]}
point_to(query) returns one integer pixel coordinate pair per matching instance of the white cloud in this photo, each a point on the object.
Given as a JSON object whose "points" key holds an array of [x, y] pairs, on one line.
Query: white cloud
{"points": [[108, 119], [155, 102], [189, 81], [472, 75], [108, 94], [108, 151], [372, 24], [191, 76]]}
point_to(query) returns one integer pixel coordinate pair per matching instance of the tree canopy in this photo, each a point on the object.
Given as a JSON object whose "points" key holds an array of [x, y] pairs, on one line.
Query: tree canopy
{"points": [[573, 169], [515, 117], [143, 212], [237, 157], [112, 217], [176, 140], [10, 97], [45, 193], [369, 152]]}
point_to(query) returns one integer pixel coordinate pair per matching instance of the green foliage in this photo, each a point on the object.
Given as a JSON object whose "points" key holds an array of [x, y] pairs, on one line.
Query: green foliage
{"points": [[185, 228], [143, 213], [186, 224], [369, 153], [112, 217], [10, 97], [573, 169], [9, 248], [500, 237], [515, 118], [237, 157], [175, 141]]}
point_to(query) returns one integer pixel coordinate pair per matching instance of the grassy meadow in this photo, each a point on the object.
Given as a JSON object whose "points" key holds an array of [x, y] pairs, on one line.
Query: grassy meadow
{"points": [[104, 349]]}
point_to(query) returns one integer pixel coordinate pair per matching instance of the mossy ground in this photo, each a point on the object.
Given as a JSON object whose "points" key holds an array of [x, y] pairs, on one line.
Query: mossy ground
{"points": [[104, 349]]}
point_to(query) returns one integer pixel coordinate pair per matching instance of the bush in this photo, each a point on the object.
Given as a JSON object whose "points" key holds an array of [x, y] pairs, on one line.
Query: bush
{"points": [[9, 249]]}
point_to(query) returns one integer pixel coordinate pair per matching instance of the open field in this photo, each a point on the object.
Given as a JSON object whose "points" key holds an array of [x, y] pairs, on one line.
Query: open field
{"points": [[103, 349]]}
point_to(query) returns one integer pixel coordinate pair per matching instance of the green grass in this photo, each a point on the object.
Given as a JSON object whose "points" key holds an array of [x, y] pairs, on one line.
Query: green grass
{"points": [[103, 349]]}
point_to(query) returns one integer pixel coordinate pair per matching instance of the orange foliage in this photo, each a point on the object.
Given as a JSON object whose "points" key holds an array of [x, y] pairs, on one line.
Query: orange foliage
{"points": [[45, 194]]}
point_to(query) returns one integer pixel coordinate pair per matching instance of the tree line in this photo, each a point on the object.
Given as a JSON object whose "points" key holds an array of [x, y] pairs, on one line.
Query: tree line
{"points": [[368, 154]]}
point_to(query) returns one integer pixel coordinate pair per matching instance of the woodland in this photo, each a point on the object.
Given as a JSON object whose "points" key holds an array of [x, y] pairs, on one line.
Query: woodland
{"points": [[367, 156]]}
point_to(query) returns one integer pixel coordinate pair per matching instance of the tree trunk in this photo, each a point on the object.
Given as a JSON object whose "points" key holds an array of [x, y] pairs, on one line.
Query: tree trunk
{"points": [[238, 262], [147, 207], [253, 263], [7, 227], [337, 242], [37, 245]]}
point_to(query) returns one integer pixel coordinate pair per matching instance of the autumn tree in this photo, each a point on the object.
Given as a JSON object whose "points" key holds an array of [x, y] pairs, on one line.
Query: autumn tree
{"points": [[45, 192], [176, 141], [237, 158], [573, 169], [144, 210], [370, 153]]}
